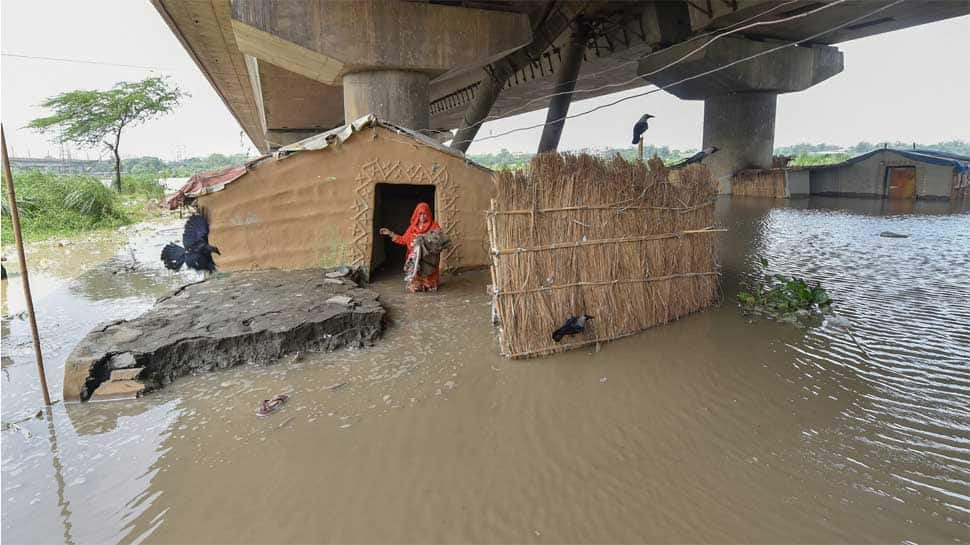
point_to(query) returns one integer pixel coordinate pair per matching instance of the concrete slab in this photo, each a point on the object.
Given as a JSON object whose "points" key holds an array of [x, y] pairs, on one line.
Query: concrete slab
{"points": [[118, 390], [230, 319], [125, 374]]}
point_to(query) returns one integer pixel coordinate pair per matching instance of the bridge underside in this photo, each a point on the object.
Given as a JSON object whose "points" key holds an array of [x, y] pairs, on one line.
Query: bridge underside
{"points": [[287, 70]]}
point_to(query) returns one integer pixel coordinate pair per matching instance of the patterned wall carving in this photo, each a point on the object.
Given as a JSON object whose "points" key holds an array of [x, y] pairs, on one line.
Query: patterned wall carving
{"points": [[446, 205]]}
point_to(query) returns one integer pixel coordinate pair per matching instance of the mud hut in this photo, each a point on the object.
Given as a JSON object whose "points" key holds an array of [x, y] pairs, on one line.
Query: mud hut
{"points": [[633, 246], [319, 202]]}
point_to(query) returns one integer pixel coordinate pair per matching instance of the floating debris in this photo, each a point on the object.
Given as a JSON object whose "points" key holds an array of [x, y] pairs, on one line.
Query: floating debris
{"points": [[270, 406], [890, 234]]}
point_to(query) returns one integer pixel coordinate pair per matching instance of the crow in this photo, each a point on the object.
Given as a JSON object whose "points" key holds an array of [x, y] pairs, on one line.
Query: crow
{"points": [[640, 128], [698, 157], [573, 325], [197, 253]]}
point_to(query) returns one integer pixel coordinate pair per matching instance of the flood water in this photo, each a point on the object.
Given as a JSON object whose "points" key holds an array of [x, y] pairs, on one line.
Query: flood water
{"points": [[710, 429]]}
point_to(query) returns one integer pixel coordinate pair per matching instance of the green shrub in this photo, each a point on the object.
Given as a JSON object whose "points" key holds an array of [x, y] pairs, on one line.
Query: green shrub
{"points": [[817, 159], [90, 198], [145, 184], [52, 204]]}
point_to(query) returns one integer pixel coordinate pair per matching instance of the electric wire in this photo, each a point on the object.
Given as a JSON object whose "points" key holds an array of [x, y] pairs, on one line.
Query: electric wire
{"points": [[689, 78], [82, 61], [719, 34]]}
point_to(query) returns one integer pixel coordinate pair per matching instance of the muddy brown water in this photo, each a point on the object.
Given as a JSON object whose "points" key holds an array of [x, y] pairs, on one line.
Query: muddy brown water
{"points": [[710, 429]]}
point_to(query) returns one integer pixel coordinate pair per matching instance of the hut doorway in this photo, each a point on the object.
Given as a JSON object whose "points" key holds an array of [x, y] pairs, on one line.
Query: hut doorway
{"points": [[393, 205], [901, 182]]}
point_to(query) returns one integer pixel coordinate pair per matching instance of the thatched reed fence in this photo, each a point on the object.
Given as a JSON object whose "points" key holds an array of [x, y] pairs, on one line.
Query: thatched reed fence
{"points": [[771, 184], [630, 244]]}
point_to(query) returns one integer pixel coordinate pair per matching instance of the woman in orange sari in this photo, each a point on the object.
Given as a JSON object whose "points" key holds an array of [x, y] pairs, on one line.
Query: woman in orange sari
{"points": [[421, 223]]}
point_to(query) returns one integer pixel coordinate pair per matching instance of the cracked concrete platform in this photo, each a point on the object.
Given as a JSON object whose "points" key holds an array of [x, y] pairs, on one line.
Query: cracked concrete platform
{"points": [[244, 317]]}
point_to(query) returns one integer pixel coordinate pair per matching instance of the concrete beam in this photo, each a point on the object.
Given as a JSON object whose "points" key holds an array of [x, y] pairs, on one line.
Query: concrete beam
{"points": [[252, 68], [292, 101], [277, 138], [486, 94], [565, 84], [396, 96], [783, 71], [325, 40]]}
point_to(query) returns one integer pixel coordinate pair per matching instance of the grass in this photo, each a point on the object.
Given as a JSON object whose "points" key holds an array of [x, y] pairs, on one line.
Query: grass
{"points": [[53, 205], [818, 159]]}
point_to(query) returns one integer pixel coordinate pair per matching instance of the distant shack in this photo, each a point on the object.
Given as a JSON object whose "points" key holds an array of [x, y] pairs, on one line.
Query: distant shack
{"points": [[883, 173], [894, 174]]}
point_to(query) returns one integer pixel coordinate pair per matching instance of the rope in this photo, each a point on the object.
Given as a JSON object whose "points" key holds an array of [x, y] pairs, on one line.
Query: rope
{"points": [[700, 75], [606, 283], [561, 245], [601, 207], [726, 31]]}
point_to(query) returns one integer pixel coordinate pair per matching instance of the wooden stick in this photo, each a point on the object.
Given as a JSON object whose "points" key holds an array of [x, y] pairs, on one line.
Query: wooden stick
{"points": [[640, 149], [560, 245], [18, 239]]}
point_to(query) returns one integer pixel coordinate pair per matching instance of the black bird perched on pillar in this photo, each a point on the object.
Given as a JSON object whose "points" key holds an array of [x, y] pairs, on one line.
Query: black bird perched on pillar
{"points": [[698, 157], [640, 128], [573, 325], [196, 253]]}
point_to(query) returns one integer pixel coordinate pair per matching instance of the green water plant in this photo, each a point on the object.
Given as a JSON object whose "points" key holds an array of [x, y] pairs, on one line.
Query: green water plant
{"points": [[785, 298]]}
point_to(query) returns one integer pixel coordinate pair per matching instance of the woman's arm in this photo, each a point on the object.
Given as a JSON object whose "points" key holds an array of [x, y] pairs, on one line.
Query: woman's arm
{"points": [[403, 240]]}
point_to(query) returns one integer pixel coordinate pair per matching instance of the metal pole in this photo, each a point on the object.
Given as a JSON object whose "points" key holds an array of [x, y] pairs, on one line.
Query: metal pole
{"points": [[18, 239]]}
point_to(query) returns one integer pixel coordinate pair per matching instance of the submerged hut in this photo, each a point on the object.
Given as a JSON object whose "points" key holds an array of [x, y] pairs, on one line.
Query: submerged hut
{"points": [[895, 174], [320, 202], [631, 245]]}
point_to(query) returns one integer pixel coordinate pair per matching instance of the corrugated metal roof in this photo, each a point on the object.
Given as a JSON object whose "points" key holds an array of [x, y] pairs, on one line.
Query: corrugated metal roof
{"points": [[205, 182]]}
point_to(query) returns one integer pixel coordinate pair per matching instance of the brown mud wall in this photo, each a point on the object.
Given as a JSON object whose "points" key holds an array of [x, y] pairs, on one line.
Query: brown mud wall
{"points": [[316, 208]]}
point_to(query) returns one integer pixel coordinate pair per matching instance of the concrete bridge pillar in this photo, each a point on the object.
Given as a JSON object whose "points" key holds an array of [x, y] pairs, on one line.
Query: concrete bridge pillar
{"points": [[742, 126], [396, 96], [739, 80], [383, 53]]}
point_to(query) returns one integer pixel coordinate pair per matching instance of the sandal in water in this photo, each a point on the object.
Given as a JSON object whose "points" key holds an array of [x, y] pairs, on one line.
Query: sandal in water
{"points": [[270, 406]]}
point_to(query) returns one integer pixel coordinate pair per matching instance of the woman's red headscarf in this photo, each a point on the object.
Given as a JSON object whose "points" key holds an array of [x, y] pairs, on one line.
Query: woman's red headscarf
{"points": [[417, 228], [428, 225]]}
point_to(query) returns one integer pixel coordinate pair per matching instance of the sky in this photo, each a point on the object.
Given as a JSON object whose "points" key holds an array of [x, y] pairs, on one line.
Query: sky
{"points": [[907, 85]]}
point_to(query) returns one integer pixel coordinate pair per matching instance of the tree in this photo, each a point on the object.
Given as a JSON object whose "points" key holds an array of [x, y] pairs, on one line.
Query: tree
{"points": [[94, 118]]}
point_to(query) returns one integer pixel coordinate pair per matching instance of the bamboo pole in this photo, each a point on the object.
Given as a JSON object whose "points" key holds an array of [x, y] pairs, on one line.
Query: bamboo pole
{"points": [[18, 239]]}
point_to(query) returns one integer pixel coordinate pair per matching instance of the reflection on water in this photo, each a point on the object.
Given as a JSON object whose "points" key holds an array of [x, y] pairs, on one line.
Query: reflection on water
{"points": [[709, 429]]}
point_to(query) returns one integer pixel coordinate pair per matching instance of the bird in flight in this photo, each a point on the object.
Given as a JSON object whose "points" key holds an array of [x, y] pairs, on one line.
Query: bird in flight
{"points": [[195, 252], [640, 128]]}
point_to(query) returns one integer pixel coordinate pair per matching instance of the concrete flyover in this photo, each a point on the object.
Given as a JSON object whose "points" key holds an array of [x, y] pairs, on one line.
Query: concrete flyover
{"points": [[290, 69], [739, 99]]}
